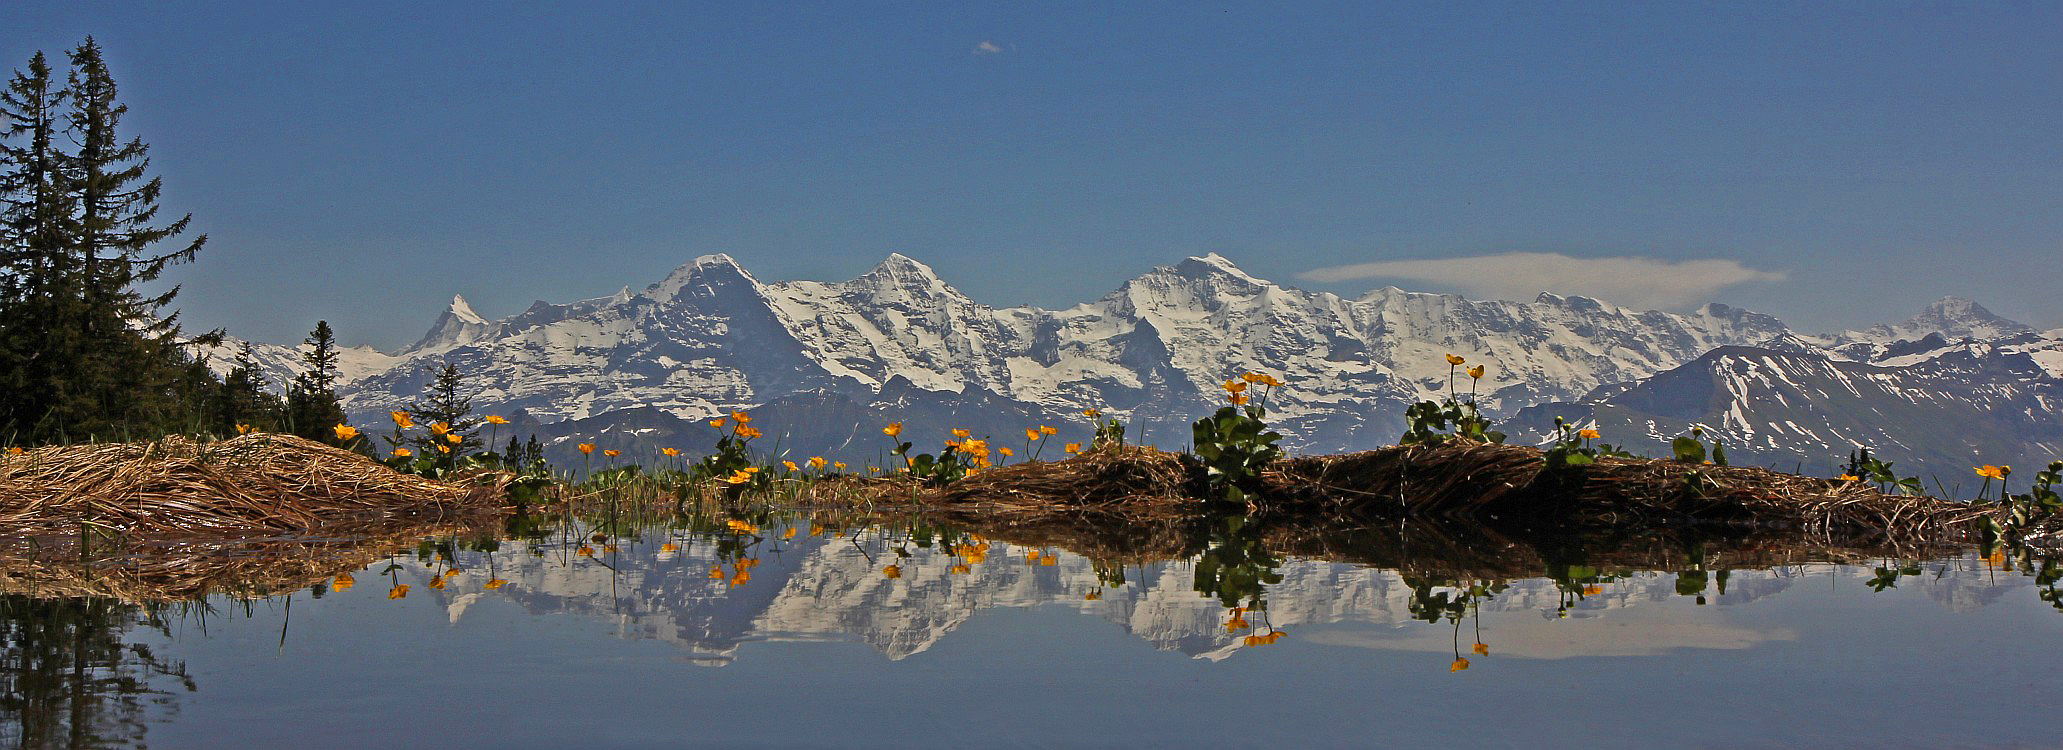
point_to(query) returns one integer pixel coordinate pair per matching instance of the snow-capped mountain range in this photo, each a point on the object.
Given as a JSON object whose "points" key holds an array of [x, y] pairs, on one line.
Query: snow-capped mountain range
{"points": [[832, 361]]}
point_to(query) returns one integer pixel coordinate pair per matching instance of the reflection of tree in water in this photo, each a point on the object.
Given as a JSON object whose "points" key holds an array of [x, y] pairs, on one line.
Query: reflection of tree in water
{"points": [[67, 679]]}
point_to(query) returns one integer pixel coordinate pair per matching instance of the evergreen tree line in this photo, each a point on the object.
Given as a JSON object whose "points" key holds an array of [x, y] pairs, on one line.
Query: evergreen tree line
{"points": [[85, 352]]}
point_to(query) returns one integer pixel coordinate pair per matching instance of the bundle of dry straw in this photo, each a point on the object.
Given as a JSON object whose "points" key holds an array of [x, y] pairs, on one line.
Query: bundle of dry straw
{"points": [[254, 484]]}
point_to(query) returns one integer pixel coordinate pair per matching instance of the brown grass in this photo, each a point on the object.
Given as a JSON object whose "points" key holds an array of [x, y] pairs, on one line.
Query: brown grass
{"points": [[254, 485]]}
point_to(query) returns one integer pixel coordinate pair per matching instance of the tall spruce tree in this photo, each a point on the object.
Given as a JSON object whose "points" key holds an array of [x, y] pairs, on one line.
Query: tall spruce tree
{"points": [[312, 408], [83, 351], [243, 401]]}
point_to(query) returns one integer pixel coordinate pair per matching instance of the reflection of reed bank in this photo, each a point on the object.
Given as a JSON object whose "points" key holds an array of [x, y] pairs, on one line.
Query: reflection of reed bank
{"points": [[68, 679]]}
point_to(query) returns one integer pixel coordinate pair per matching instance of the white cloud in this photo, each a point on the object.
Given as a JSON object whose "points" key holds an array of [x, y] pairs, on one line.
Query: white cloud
{"points": [[987, 47], [1634, 282]]}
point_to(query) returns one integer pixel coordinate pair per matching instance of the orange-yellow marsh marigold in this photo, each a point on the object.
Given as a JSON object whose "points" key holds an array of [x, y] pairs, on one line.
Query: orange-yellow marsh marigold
{"points": [[16, 450], [1989, 471], [1476, 372], [791, 466], [399, 590], [962, 434], [444, 449], [243, 429], [1588, 434], [1031, 433], [1455, 359], [401, 419], [612, 453], [669, 547], [748, 432], [1848, 478], [403, 453], [1044, 430], [742, 417], [440, 428], [1092, 413], [1458, 665], [496, 420], [453, 438], [1074, 447], [717, 423], [816, 462], [893, 571], [345, 431], [1482, 649], [1005, 450], [586, 448], [841, 466], [1238, 399], [894, 429], [669, 451]]}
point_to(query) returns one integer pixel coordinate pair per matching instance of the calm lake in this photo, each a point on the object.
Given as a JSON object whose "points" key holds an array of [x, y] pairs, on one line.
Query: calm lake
{"points": [[778, 630]]}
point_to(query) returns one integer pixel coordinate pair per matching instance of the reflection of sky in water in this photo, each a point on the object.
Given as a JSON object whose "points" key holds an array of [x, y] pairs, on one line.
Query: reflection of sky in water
{"points": [[819, 648]]}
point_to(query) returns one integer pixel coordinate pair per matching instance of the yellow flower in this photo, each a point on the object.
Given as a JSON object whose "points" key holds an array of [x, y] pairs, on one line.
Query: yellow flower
{"points": [[344, 582], [1238, 399], [741, 417], [738, 477], [894, 429], [1005, 450], [893, 571], [1458, 665], [1989, 471], [1251, 377], [958, 569], [741, 526], [16, 450], [791, 466], [669, 547], [1044, 430], [1031, 433], [586, 448], [243, 429], [401, 419], [345, 431], [497, 420], [841, 466], [1848, 478], [1456, 360], [1092, 413], [716, 574], [1588, 434], [586, 551], [495, 583], [437, 582], [748, 432], [961, 434], [1476, 372], [717, 423], [454, 438], [612, 453], [399, 590], [444, 449], [403, 453], [1482, 649], [440, 428], [1048, 561], [741, 578], [452, 573], [669, 451], [789, 534], [1074, 447], [816, 462]]}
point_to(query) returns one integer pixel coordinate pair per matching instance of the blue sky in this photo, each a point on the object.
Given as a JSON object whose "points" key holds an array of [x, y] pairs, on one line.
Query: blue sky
{"points": [[1840, 164]]}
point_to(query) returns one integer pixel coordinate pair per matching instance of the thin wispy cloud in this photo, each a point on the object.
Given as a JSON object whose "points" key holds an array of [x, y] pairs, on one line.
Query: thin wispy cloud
{"points": [[987, 47], [1631, 281]]}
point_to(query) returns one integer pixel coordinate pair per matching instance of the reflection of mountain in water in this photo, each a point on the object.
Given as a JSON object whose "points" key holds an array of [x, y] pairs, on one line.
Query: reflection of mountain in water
{"points": [[834, 588]]}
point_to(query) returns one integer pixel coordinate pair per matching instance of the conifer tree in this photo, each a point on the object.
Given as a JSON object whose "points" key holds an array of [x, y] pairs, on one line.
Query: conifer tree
{"points": [[444, 402], [312, 408], [243, 400]]}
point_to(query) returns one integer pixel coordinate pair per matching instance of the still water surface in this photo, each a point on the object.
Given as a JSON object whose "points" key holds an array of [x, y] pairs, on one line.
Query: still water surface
{"points": [[788, 634]]}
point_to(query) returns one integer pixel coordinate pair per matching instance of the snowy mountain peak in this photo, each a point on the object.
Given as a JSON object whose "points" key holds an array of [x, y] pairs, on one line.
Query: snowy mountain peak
{"points": [[706, 276], [463, 311], [1198, 267], [1959, 318]]}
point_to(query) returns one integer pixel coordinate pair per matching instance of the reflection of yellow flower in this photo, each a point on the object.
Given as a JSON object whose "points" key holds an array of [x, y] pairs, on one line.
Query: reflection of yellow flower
{"points": [[437, 582], [399, 590], [496, 420], [1593, 590], [716, 574], [495, 583], [401, 419], [1456, 360], [958, 569], [586, 551], [1458, 665], [1589, 434], [344, 582], [1096, 595], [790, 533], [894, 429], [1048, 561], [893, 571], [1482, 649], [742, 527], [1997, 559], [669, 547], [586, 448], [345, 431]]}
